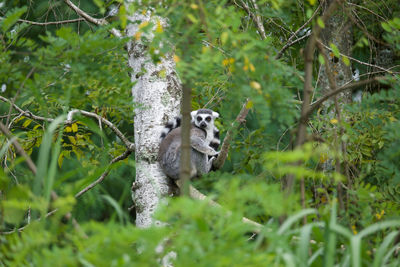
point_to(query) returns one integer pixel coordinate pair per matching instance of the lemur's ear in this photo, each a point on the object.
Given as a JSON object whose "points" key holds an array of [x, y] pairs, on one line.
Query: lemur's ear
{"points": [[215, 114], [193, 113]]}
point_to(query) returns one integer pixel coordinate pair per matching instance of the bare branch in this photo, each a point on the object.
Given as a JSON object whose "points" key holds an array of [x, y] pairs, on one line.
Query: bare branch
{"points": [[289, 43], [129, 145], [185, 162], [89, 18], [16, 95], [51, 22], [308, 89], [359, 61], [369, 10], [256, 17], [26, 113], [317, 103], [85, 15], [104, 175], [219, 162]]}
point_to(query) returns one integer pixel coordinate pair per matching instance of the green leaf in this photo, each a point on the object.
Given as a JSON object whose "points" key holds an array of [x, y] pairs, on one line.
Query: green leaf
{"points": [[12, 17], [224, 37], [386, 27], [321, 59], [26, 123], [320, 22], [123, 16], [335, 50], [346, 60], [192, 18]]}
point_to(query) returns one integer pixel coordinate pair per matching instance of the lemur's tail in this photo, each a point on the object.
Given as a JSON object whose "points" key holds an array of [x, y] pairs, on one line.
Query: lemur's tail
{"points": [[172, 124]]}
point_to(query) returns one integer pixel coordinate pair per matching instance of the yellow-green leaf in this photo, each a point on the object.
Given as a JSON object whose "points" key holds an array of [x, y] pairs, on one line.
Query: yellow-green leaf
{"points": [[60, 159], [159, 28], [320, 23], [122, 16], [26, 123], [335, 50], [312, 2], [224, 37], [74, 127], [346, 60], [72, 139], [191, 18], [321, 59], [249, 104]]}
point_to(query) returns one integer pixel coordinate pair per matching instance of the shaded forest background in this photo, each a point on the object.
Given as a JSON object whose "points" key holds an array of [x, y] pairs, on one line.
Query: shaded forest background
{"points": [[331, 198]]}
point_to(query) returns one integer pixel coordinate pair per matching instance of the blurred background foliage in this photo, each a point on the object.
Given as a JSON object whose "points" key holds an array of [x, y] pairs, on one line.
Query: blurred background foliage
{"points": [[52, 69]]}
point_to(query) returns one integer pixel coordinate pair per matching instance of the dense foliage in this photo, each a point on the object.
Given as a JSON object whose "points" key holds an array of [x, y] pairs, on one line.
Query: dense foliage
{"points": [[220, 52]]}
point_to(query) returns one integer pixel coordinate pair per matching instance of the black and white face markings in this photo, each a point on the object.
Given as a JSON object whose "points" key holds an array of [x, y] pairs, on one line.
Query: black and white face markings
{"points": [[203, 119]]}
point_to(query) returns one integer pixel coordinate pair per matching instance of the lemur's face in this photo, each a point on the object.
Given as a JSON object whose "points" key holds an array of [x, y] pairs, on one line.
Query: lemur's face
{"points": [[204, 120]]}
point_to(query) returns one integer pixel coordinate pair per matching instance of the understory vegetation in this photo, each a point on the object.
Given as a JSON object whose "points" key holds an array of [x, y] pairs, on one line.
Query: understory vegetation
{"points": [[327, 195]]}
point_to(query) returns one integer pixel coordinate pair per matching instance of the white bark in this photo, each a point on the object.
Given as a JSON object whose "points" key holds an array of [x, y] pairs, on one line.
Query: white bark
{"points": [[157, 99]]}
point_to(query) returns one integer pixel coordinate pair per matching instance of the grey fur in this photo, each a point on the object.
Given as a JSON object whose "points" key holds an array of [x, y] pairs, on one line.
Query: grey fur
{"points": [[204, 139], [170, 153]]}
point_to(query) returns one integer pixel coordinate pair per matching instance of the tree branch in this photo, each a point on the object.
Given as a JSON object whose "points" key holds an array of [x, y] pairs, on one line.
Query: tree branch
{"points": [[358, 61], [257, 19], [84, 15], [318, 103], [308, 89], [90, 19], [289, 43], [104, 175], [51, 22], [219, 162], [129, 145], [26, 113], [185, 162]]}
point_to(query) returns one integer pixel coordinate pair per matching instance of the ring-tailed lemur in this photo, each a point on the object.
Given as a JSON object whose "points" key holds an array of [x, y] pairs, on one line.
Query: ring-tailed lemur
{"points": [[176, 122], [203, 139]]}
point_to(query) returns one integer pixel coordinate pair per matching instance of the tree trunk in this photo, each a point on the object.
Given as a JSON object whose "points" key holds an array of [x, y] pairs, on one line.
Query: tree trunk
{"points": [[337, 31], [157, 99]]}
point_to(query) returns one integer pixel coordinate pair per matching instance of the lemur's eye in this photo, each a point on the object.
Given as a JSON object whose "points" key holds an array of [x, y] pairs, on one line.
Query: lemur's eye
{"points": [[208, 119], [199, 118]]}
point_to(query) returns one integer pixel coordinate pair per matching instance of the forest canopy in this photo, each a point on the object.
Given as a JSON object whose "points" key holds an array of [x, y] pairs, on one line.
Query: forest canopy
{"points": [[312, 173]]}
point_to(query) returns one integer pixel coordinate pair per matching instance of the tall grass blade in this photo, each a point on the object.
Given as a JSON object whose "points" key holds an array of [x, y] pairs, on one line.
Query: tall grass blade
{"points": [[380, 253], [292, 219], [304, 242], [43, 160]]}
